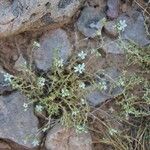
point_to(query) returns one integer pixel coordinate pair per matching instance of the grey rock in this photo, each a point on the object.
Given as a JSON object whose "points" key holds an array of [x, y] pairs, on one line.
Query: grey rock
{"points": [[25, 15], [110, 29], [109, 76], [4, 86], [64, 3], [113, 8], [20, 63], [135, 30], [112, 47], [67, 139], [90, 22], [49, 43], [15, 123]]}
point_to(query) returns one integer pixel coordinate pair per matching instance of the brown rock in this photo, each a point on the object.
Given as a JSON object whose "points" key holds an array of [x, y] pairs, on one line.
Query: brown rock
{"points": [[18, 16], [110, 29], [4, 146], [60, 138]]}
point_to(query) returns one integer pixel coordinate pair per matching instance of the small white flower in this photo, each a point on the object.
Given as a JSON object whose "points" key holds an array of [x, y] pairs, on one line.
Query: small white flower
{"points": [[82, 55], [80, 68], [65, 92], [81, 128], [82, 101], [35, 143], [8, 77], [112, 131], [39, 108], [36, 44], [121, 25], [25, 105], [59, 63], [41, 81], [82, 85], [102, 85], [74, 113]]}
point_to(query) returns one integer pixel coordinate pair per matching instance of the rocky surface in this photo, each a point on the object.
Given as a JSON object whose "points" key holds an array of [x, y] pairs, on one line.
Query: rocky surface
{"points": [[135, 30], [15, 123], [18, 16], [113, 7], [91, 21], [106, 79], [4, 86], [67, 139], [50, 43], [110, 29], [112, 46], [20, 63]]}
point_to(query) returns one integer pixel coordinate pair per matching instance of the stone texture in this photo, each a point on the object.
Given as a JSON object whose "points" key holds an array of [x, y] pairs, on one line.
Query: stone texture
{"points": [[50, 42], [135, 30], [113, 7], [112, 47], [110, 77], [60, 138], [18, 16], [90, 21], [110, 29], [4, 86], [20, 63], [15, 123], [4, 146]]}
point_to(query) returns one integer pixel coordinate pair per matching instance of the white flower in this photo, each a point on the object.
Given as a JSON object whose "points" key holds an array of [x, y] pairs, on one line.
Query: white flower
{"points": [[81, 128], [102, 85], [121, 25], [36, 44], [74, 113], [41, 81], [112, 131], [35, 142], [82, 55], [39, 108], [64, 92], [80, 68], [82, 101], [25, 105], [7, 77], [59, 63], [82, 85]]}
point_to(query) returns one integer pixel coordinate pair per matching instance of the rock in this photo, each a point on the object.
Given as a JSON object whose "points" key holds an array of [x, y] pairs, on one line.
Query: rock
{"points": [[4, 86], [50, 42], [23, 15], [112, 47], [15, 123], [110, 29], [91, 21], [20, 63], [113, 7], [135, 30], [4, 146], [67, 139], [108, 79]]}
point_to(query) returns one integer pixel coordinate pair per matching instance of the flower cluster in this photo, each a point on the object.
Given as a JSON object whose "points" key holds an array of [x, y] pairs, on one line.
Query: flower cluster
{"points": [[41, 81], [121, 25], [65, 92]]}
